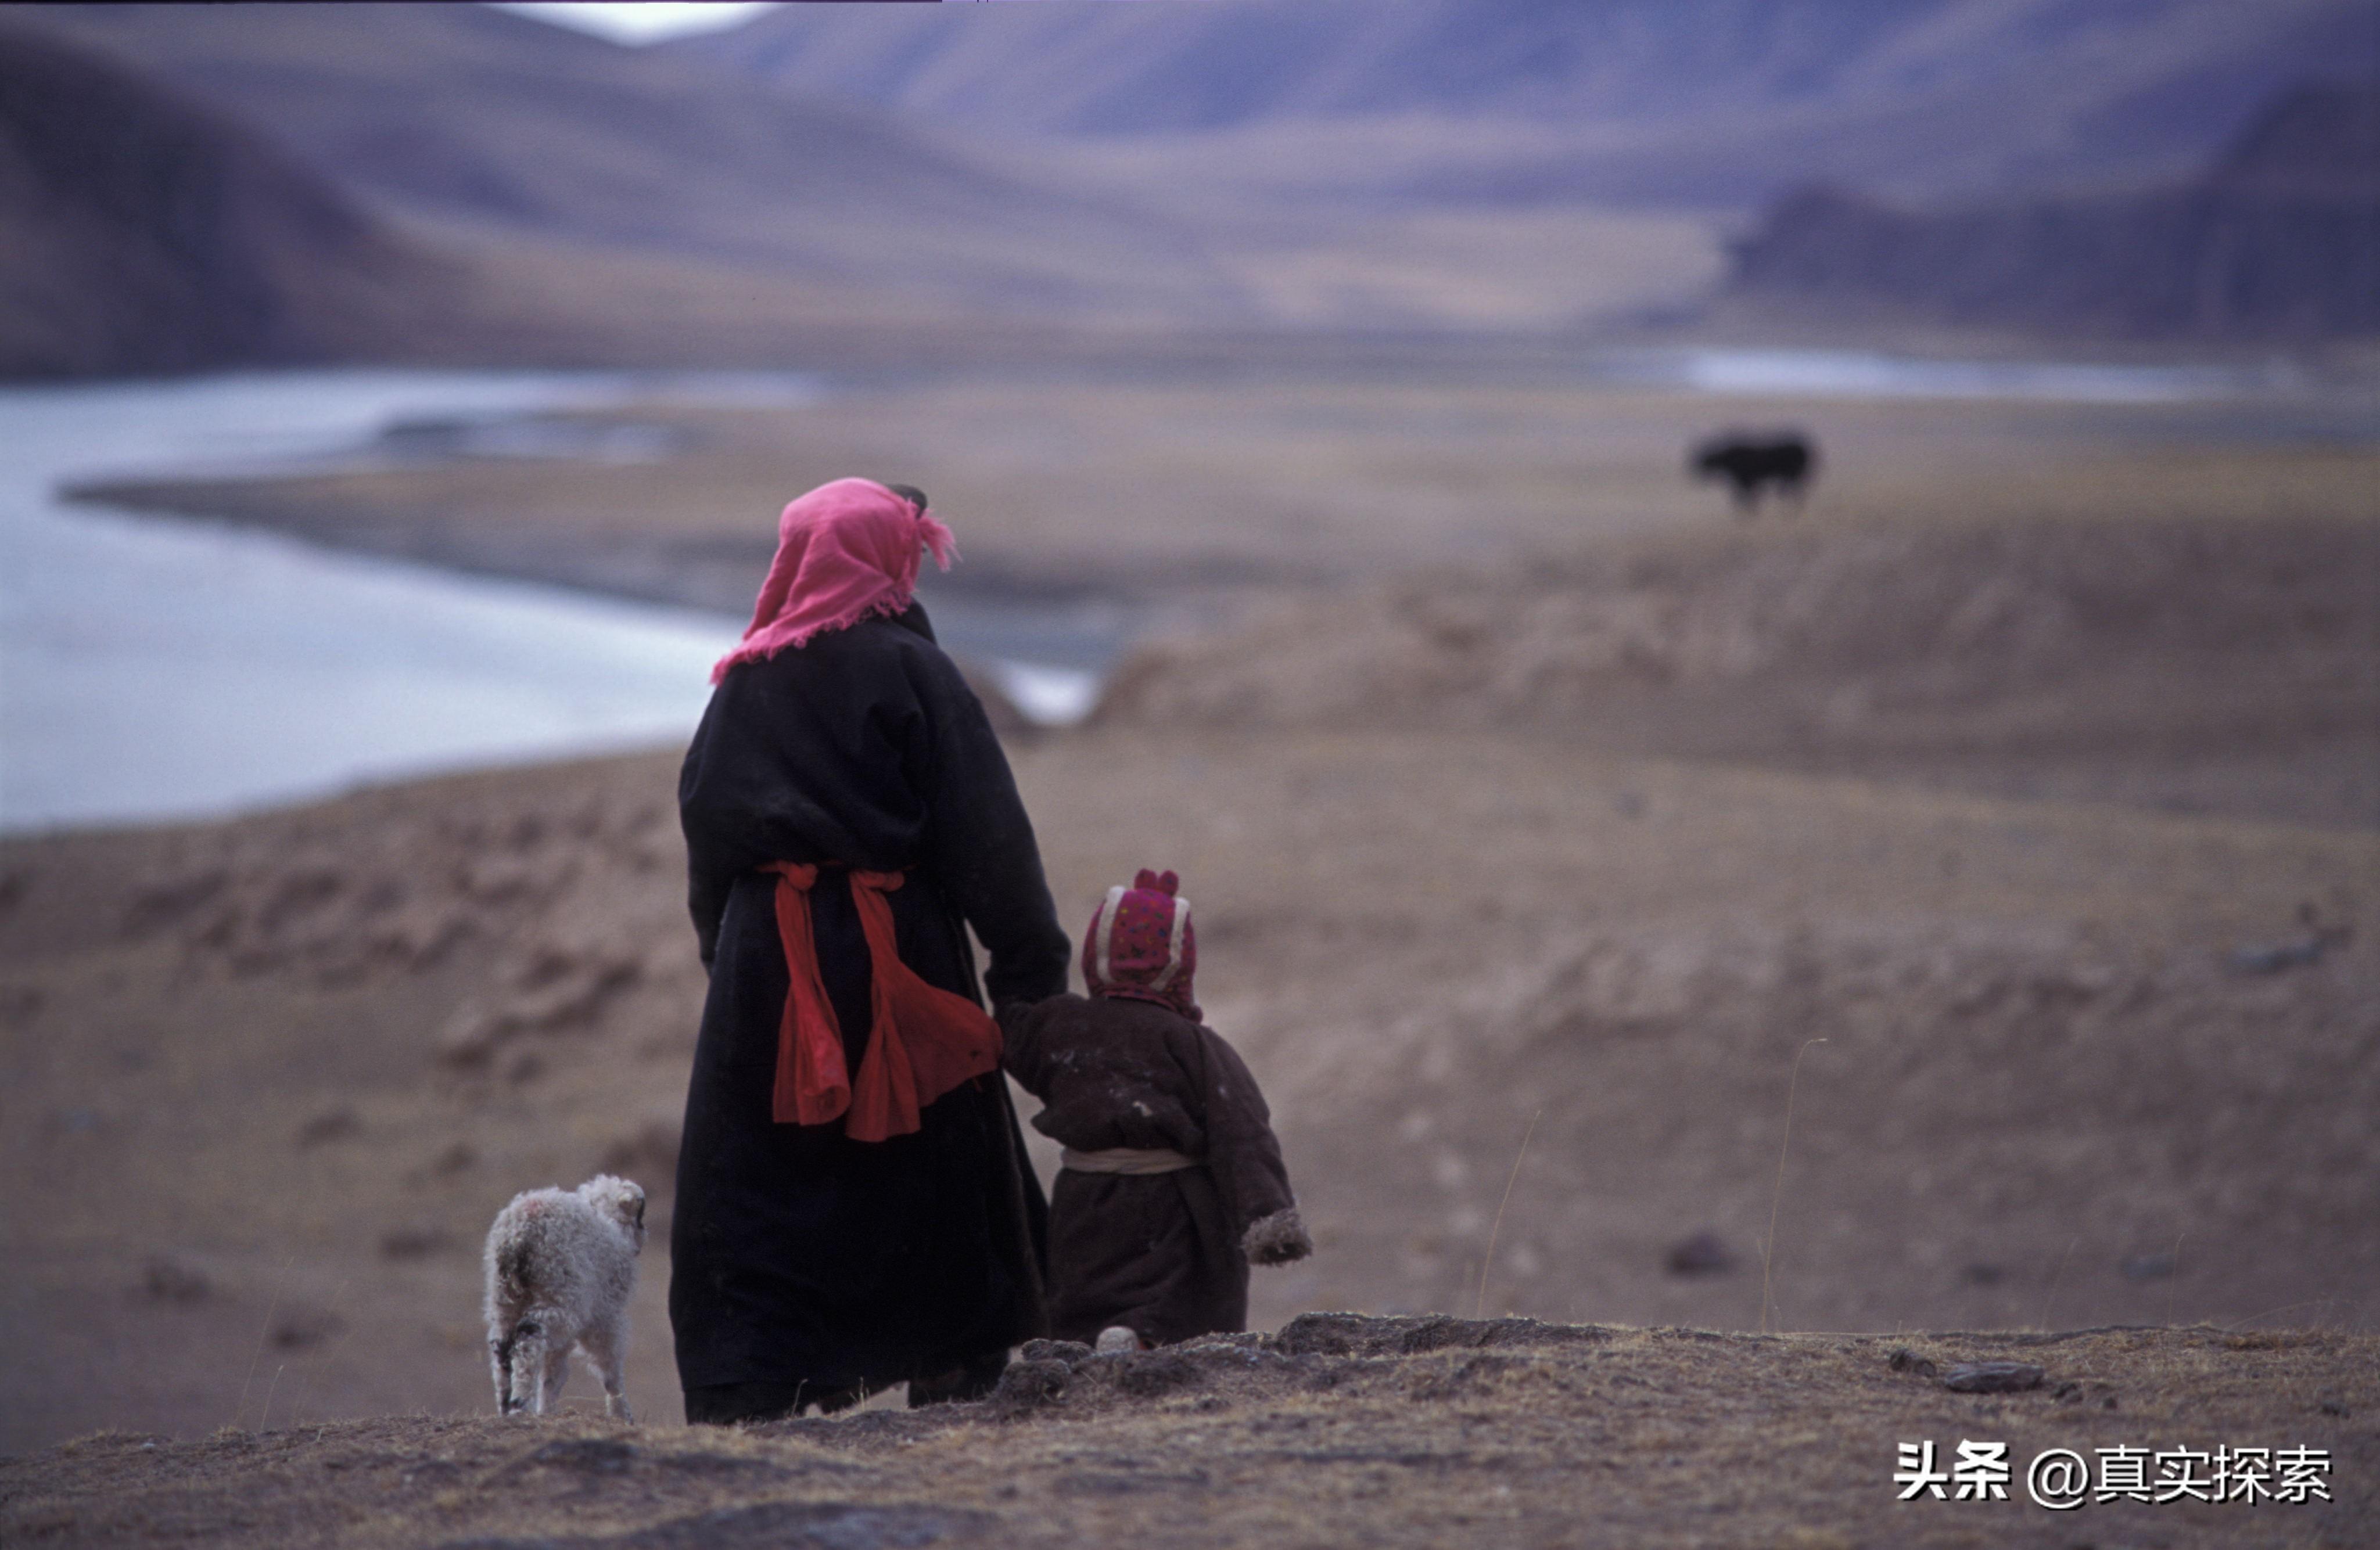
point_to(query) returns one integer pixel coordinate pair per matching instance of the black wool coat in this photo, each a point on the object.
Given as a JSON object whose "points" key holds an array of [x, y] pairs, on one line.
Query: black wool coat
{"points": [[1161, 1254], [799, 1255]]}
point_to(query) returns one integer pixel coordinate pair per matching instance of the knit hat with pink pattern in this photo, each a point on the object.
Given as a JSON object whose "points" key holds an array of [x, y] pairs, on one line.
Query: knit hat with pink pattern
{"points": [[1141, 945]]}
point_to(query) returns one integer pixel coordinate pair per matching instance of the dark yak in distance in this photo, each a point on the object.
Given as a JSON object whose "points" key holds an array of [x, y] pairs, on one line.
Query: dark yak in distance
{"points": [[1752, 463]]}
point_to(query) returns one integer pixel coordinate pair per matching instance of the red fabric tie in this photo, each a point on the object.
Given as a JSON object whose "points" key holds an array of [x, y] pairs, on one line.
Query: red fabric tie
{"points": [[922, 1040]]}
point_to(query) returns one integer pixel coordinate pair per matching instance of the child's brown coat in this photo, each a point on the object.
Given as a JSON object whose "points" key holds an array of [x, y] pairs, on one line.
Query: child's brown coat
{"points": [[1164, 1254]]}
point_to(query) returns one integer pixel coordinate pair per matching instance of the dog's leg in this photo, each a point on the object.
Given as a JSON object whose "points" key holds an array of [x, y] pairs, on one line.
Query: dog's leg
{"points": [[500, 1364], [606, 1346], [557, 1374], [529, 1364]]}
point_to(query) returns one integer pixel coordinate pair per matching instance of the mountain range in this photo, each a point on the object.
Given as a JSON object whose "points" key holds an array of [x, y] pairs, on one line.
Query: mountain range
{"points": [[477, 117], [459, 183], [146, 233], [1703, 101], [2279, 238]]}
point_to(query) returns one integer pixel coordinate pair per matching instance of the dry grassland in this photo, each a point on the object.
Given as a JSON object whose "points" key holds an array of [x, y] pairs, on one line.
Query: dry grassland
{"points": [[1273, 475]]}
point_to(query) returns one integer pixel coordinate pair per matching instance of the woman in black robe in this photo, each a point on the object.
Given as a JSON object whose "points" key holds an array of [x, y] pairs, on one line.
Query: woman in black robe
{"points": [[808, 1266]]}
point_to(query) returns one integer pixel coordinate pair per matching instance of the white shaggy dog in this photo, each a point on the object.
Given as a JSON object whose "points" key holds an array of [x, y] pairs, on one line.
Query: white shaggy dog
{"points": [[561, 1265]]}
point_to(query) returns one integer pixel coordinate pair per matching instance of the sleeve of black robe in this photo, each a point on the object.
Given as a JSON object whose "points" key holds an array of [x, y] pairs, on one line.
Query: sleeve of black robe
{"points": [[707, 888], [979, 843], [1242, 1154]]}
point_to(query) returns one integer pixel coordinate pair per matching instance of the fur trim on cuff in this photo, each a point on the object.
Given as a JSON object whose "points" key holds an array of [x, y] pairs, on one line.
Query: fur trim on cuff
{"points": [[1277, 1238]]}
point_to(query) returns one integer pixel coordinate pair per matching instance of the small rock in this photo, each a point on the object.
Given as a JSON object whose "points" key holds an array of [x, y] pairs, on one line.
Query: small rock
{"points": [[495, 879], [302, 1328], [1154, 1373], [1702, 1254], [2149, 1267], [331, 1125], [1030, 1385], [19, 1005], [165, 900], [1992, 1377], [2272, 958], [414, 1242], [169, 1280], [585, 1455], [471, 1037]]}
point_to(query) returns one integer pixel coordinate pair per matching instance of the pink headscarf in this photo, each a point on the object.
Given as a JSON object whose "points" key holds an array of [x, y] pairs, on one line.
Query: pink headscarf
{"points": [[1141, 945], [846, 551]]}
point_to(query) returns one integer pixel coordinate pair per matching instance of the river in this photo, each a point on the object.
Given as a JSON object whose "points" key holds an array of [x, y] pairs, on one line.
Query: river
{"points": [[156, 669]]}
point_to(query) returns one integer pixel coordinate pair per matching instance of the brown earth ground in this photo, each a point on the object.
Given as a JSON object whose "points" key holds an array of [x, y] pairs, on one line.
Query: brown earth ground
{"points": [[1339, 1430], [1539, 820]]}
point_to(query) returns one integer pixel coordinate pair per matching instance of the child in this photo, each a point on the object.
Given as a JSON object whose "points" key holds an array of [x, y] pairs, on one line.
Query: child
{"points": [[1172, 1181]]}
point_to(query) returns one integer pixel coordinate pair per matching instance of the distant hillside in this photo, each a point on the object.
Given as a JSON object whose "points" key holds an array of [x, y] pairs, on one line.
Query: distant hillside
{"points": [[466, 114], [2279, 239], [146, 234], [1683, 100]]}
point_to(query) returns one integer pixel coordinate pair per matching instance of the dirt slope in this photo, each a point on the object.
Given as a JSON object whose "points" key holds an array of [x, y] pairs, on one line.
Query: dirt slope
{"points": [[270, 1079], [2193, 665]]}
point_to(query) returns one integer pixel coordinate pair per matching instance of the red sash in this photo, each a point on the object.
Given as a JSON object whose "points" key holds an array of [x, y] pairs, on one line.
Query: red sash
{"points": [[922, 1040]]}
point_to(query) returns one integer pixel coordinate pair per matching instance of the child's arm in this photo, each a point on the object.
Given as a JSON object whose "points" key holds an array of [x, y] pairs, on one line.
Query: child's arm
{"points": [[1244, 1156], [1022, 1053]]}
